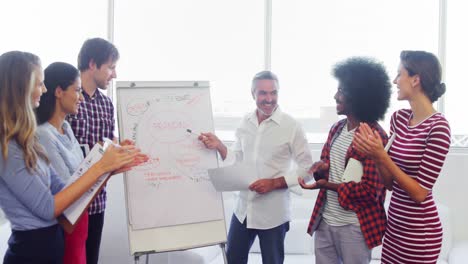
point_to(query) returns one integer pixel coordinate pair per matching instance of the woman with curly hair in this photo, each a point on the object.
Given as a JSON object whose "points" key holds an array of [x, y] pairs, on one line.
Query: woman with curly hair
{"points": [[349, 217], [413, 163]]}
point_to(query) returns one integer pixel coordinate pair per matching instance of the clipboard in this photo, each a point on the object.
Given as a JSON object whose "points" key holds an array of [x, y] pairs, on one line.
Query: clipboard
{"points": [[66, 224], [85, 149], [74, 212], [354, 169]]}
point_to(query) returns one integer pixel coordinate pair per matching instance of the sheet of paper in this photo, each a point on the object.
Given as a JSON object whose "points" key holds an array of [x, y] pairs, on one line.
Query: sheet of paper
{"points": [[354, 169], [390, 141], [237, 177], [73, 212]]}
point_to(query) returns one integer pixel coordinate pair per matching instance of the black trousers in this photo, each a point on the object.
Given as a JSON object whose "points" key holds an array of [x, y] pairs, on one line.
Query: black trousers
{"points": [[38, 246], [93, 243]]}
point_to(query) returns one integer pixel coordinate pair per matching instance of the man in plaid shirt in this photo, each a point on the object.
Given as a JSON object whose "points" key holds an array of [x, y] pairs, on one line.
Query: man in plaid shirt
{"points": [[95, 120], [349, 217]]}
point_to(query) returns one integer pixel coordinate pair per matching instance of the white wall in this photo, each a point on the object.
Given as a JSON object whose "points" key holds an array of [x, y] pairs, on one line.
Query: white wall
{"points": [[114, 245], [451, 190]]}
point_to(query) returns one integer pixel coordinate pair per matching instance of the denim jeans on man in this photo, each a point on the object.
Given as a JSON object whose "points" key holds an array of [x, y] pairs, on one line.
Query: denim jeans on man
{"points": [[241, 238]]}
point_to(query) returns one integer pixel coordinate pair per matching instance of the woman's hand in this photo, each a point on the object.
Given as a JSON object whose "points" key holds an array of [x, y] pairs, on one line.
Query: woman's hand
{"points": [[127, 142], [119, 159], [140, 158], [368, 142], [316, 185], [318, 169]]}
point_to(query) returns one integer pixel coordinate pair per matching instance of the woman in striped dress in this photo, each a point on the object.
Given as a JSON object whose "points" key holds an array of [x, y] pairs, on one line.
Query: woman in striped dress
{"points": [[413, 163]]}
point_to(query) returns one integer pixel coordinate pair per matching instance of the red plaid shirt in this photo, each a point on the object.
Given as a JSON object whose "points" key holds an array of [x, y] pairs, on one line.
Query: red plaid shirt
{"points": [[366, 197], [95, 120]]}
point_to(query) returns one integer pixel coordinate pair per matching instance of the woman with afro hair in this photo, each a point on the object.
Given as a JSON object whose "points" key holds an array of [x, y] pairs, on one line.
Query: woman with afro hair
{"points": [[349, 217]]}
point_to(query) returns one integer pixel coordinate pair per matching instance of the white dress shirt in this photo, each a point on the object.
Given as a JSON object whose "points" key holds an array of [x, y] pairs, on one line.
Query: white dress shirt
{"points": [[273, 146]]}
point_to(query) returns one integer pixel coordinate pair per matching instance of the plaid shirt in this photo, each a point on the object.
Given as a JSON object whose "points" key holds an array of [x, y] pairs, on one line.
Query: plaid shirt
{"points": [[95, 120], [366, 197]]}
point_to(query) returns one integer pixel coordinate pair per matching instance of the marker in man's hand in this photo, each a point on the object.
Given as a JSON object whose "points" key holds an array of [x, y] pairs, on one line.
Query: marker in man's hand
{"points": [[193, 132]]}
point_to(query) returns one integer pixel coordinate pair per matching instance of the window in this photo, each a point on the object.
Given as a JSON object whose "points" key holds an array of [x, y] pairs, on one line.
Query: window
{"points": [[217, 41], [455, 72], [309, 37], [52, 29], [223, 42]]}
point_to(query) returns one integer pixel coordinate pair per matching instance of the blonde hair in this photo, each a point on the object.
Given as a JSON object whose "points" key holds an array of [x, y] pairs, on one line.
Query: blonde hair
{"points": [[17, 118]]}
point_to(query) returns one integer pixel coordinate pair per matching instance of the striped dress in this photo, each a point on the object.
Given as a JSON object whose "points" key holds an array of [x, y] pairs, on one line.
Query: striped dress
{"points": [[414, 231]]}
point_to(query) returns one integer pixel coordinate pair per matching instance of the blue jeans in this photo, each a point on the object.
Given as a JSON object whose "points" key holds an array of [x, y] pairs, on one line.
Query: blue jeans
{"points": [[241, 238]]}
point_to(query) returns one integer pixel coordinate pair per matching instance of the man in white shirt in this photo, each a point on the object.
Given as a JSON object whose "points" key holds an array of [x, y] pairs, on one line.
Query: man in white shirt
{"points": [[271, 140]]}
